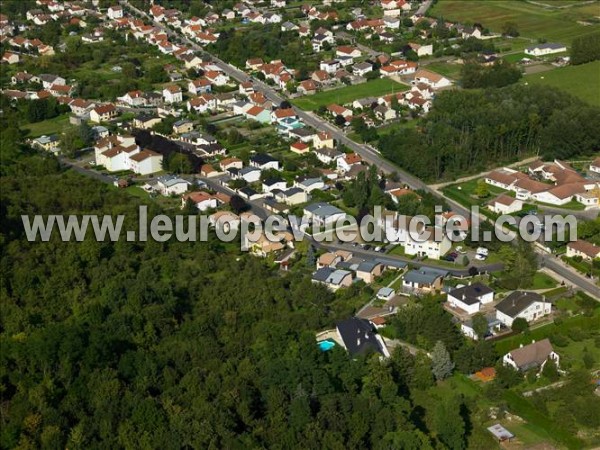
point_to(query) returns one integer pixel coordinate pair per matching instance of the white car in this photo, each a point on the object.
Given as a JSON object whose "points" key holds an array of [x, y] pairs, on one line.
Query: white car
{"points": [[483, 251], [480, 257]]}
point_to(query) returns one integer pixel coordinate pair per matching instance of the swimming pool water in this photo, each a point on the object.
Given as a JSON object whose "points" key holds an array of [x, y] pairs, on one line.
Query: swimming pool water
{"points": [[326, 345]]}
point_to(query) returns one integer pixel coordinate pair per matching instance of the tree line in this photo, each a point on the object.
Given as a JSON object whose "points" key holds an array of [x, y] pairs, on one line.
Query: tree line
{"points": [[471, 131]]}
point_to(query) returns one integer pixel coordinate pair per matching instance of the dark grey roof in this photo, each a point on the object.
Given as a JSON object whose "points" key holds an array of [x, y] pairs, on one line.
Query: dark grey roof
{"points": [[424, 275], [517, 302], [358, 336], [272, 181], [471, 294], [302, 132], [247, 191], [262, 159], [367, 266], [322, 274]]}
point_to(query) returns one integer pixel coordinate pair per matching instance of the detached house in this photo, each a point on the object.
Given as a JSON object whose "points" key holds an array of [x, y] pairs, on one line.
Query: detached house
{"points": [[103, 113], [505, 204], [172, 94], [470, 298], [199, 86], [532, 356], [333, 279], [345, 50], [584, 249], [527, 305]]}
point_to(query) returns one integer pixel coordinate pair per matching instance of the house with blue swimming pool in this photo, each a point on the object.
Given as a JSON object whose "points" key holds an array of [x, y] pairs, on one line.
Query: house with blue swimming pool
{"points": [[357, 336]]}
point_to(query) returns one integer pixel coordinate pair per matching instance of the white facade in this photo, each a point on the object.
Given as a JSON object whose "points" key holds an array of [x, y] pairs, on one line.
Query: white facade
{"points": [[531, 313], [429, 247]]}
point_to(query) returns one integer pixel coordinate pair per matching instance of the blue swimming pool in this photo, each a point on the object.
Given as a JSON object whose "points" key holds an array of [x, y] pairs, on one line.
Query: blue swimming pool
{"points": [[326, 345]]}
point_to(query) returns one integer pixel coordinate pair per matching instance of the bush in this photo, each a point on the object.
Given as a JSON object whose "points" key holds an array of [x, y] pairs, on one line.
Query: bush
{"points": [[519, 325], [560, 340], [577, 334]]}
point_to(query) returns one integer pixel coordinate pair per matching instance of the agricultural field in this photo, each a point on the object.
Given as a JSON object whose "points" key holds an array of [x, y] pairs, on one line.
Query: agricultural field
{"points": [[533, 21], [582, 81], [373, 88]]}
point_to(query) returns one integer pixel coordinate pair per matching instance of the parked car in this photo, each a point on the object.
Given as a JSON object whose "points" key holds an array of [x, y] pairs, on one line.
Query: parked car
{"points": [[483, 251], [480, 257]]}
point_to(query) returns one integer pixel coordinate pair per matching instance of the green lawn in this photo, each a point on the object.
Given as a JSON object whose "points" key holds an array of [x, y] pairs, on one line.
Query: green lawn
{"points": [[448, 70], [505, 345], [48, 127], [464, 193], [582, 81], [373, 88], [532, 21], [543, 281]]}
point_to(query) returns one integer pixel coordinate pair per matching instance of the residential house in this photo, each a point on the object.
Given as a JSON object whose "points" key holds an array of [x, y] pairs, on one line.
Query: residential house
{"points": [[545, 49], [246, 88], [172, 94], [359, 338], [230, 163], [249, 174], [145, 121], [133, 98], [202, 104], [328, 155], [309, 184], [532, 356], [299, 147], [330, 66], [368, 271], [323, 140], [259, 114], [505, 204], [432, 79], [583, 249], [201, 200], [337, 110], [345, 50], [115, 12], [10, 58], [292, 196], [270, 184], [146, 162], [183, 126], [423, 280], [307, 87], [361, 69], [470, 298], [216, 78], [199, 86], [421, 50], [323, 214], [103, 113], [333, 279], [426, 244], [172, 185], [345, 163], [527, 305], [48, 143], [264, 162]]}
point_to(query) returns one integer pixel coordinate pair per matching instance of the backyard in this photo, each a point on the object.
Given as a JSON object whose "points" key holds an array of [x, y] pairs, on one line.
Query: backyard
{"points": [[373, 88], [47, 127]]}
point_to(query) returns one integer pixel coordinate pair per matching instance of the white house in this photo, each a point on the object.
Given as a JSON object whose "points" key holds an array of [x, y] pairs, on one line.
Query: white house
{"points": [[201, 200], [264, 162], [146, 162], [310, 184], [432, 79], [271, 184], [595, 166], [361, 69], [345, 163], [249, 174], [330, 66], [421, 50], [532, 356], [172, 94], [545, 49], [172, 185], [430, 247], [115, 12], [584, 249], [505, 204], [323, 214], [470, 298], [527, 305]]}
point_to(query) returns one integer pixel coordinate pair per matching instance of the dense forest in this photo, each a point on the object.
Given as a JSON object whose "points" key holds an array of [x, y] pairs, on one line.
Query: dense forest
{"points": [[470, 131]]}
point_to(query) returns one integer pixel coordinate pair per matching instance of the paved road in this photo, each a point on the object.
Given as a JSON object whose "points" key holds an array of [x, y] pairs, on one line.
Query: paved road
{"points": [[369, 154]]}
